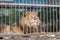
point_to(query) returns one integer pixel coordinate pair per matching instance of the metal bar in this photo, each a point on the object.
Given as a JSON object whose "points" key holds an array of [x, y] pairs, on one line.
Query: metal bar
{"points": [[53, 20], [47, 19], [44, 18], [59, 19], [50, 19], [30, 28], [23, 16], [1, 19], [36, 10], [37, 5], [21, 35]]}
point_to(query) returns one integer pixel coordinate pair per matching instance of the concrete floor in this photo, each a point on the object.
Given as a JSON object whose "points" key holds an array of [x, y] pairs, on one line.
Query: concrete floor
{"points": [[32, 39]]}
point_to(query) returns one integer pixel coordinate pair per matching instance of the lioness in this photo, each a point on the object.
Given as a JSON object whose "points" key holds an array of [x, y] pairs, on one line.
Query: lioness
{"points": [[13, 29], [5, 29], [30, 19]]}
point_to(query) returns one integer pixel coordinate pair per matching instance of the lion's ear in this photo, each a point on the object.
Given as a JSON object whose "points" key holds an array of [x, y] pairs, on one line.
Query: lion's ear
{"points": [[26, 13]]}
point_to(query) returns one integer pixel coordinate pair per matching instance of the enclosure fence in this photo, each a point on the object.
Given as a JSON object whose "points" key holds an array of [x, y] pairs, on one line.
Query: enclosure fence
{"points": [[33, 18]]}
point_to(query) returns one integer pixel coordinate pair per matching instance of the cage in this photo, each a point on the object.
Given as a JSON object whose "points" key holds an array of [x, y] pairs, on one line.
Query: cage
{"points": [[30, 18]]}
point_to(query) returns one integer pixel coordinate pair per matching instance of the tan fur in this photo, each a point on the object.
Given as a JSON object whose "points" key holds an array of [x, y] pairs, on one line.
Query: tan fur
{"points": [[16, 29], [28, 20], [5, 29], [11, 29]]}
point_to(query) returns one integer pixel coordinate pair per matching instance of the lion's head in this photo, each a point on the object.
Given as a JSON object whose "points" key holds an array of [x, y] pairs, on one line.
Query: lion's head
{"points": [[32, 17]]}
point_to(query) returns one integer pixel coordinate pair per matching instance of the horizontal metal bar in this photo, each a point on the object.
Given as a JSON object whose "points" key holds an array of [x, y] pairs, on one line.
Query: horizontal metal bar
{"points": [[32, 34], [37, 5], [7, 35], [6, 0]]}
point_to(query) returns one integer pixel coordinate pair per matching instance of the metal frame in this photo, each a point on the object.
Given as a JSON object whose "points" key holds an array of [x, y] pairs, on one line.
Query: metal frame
{"points": [[36, 5]]}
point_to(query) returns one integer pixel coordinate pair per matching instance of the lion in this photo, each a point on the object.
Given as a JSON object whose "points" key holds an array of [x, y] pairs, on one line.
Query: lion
{"points": [[30, 19], [5, 29], [13, 29]]}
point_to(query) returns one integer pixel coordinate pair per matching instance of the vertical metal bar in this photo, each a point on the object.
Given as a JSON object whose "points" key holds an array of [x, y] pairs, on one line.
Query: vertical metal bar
{"points": [[19, 15], [5, 14], [53, 20], [15, 14], [56, 21], [11, 19], [23, 16], [29, 9], [49, 1], [10, 16], [4, 18], [59, 19], [33, 10], [52, 2], [1, 18], [44, 16], [30, 27], [50, 18], [32, 1], [40, 18], [0, 21], [43, 1], [56, 2], [26, 27], [50, 14], [36, 9], [47, 19], [56, 18], [46, 2]]}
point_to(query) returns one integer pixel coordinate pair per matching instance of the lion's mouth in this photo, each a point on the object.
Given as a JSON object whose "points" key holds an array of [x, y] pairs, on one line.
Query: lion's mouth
{"points": [[34, 22]]}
